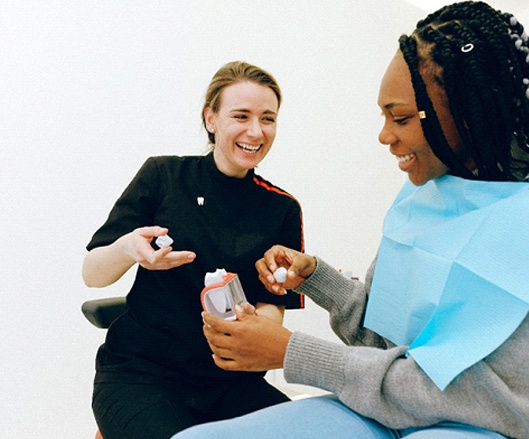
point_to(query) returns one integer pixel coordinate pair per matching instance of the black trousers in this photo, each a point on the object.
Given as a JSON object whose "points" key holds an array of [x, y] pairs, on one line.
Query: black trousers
{"points": [[131, 410]]}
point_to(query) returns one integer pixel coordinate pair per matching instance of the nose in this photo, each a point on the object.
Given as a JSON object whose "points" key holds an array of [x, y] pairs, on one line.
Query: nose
{"points": [[386, 136], [254, 128]]}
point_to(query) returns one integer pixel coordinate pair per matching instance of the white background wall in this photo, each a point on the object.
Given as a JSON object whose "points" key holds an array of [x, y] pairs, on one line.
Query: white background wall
{"points": [[89, 89]]}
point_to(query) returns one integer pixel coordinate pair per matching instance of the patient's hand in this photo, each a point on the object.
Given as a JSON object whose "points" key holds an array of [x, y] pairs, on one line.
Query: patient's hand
{"points": [[299, 267], [252, 343]]}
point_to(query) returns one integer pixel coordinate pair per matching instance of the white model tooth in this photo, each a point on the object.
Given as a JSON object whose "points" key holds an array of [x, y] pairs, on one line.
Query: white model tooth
{"points": [[280, 275], [163, 241]]}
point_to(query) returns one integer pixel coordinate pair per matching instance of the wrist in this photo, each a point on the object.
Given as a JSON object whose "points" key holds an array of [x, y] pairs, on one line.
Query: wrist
{"points": [[311, 268], [124, 249]]}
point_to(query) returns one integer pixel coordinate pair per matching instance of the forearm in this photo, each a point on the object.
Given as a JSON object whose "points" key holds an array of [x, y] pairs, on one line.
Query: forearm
{"points": [[105, 265], [381, 384], [345, 300], [391, 388], [330, 289]]}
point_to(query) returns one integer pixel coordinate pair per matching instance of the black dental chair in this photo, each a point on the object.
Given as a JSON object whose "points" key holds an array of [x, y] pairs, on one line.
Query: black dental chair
{"points": [[101, 313]]}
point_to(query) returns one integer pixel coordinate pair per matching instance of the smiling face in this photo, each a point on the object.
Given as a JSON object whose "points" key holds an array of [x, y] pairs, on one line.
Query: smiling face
{"points": [[244, 126], [402, 129]]}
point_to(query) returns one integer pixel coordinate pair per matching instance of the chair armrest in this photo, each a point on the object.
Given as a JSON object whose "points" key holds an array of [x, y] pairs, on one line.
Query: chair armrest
{"points": [[102, 312]]}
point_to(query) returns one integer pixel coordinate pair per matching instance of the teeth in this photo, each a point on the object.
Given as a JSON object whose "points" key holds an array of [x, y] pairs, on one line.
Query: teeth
{"points": [[405, 158], [249, 148]]}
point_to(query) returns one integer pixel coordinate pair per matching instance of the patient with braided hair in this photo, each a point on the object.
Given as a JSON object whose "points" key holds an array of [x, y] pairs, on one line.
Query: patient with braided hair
{"points": [[435, 339]]}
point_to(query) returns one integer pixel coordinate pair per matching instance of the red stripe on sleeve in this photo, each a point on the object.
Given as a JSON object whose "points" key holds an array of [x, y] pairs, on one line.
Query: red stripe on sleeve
{"points": [[270, 187]]}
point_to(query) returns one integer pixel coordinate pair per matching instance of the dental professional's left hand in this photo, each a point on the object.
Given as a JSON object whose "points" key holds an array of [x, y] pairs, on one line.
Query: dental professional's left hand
{"points": [[252, 343]]}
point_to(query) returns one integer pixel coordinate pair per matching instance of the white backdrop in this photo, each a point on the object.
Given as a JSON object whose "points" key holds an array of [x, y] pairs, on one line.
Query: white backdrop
{"points": [[89, 89]]}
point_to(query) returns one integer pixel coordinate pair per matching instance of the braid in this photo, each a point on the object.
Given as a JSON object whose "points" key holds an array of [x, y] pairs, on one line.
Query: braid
{"points": [[430, 124], [481, 59]]}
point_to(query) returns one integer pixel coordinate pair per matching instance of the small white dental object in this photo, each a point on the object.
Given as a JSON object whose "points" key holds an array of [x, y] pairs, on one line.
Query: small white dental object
{"points": [[280, 275], [163, 241]]}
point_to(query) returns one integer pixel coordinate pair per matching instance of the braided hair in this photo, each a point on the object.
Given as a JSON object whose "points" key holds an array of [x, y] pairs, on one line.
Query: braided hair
{"points": [[480, 58]]}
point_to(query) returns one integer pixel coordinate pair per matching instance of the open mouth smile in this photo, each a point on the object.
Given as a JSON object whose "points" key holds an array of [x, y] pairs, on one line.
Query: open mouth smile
{"points": [[405, 158], [252, 149], [406, 161]]}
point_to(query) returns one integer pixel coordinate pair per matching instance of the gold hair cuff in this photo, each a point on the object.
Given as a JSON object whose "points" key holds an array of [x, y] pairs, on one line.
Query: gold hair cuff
{"points": [[422, 114]]}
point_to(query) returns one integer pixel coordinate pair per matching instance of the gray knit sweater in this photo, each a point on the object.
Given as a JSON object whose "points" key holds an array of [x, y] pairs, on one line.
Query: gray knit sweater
{"points": [[374, 378]]}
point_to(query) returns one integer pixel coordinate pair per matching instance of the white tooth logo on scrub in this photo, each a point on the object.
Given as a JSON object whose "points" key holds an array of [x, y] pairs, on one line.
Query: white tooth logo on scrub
{"points": [[200, 201]]}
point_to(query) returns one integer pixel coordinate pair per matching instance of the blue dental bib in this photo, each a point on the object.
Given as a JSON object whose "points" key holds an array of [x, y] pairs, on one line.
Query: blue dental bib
{"points": [[452, 274]]}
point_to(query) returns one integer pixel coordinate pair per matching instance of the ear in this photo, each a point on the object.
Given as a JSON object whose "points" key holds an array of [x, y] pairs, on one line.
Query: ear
{"points": [[209, 117]]}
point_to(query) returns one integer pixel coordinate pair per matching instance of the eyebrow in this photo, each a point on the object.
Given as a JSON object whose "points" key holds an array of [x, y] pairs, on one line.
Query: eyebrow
{"points": [[244, 110], [392, 105]]}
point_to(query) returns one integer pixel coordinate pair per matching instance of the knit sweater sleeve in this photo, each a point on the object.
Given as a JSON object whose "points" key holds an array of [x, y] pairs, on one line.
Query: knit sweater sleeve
{"points": [[376, 379]]}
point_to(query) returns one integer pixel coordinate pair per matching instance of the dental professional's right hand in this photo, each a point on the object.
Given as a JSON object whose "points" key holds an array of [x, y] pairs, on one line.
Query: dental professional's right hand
{"points": [[105, 265], [138, 246]]}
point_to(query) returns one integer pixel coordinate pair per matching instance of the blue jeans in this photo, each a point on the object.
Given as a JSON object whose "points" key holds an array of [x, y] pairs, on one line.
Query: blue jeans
{"points": [[322, 417]]}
